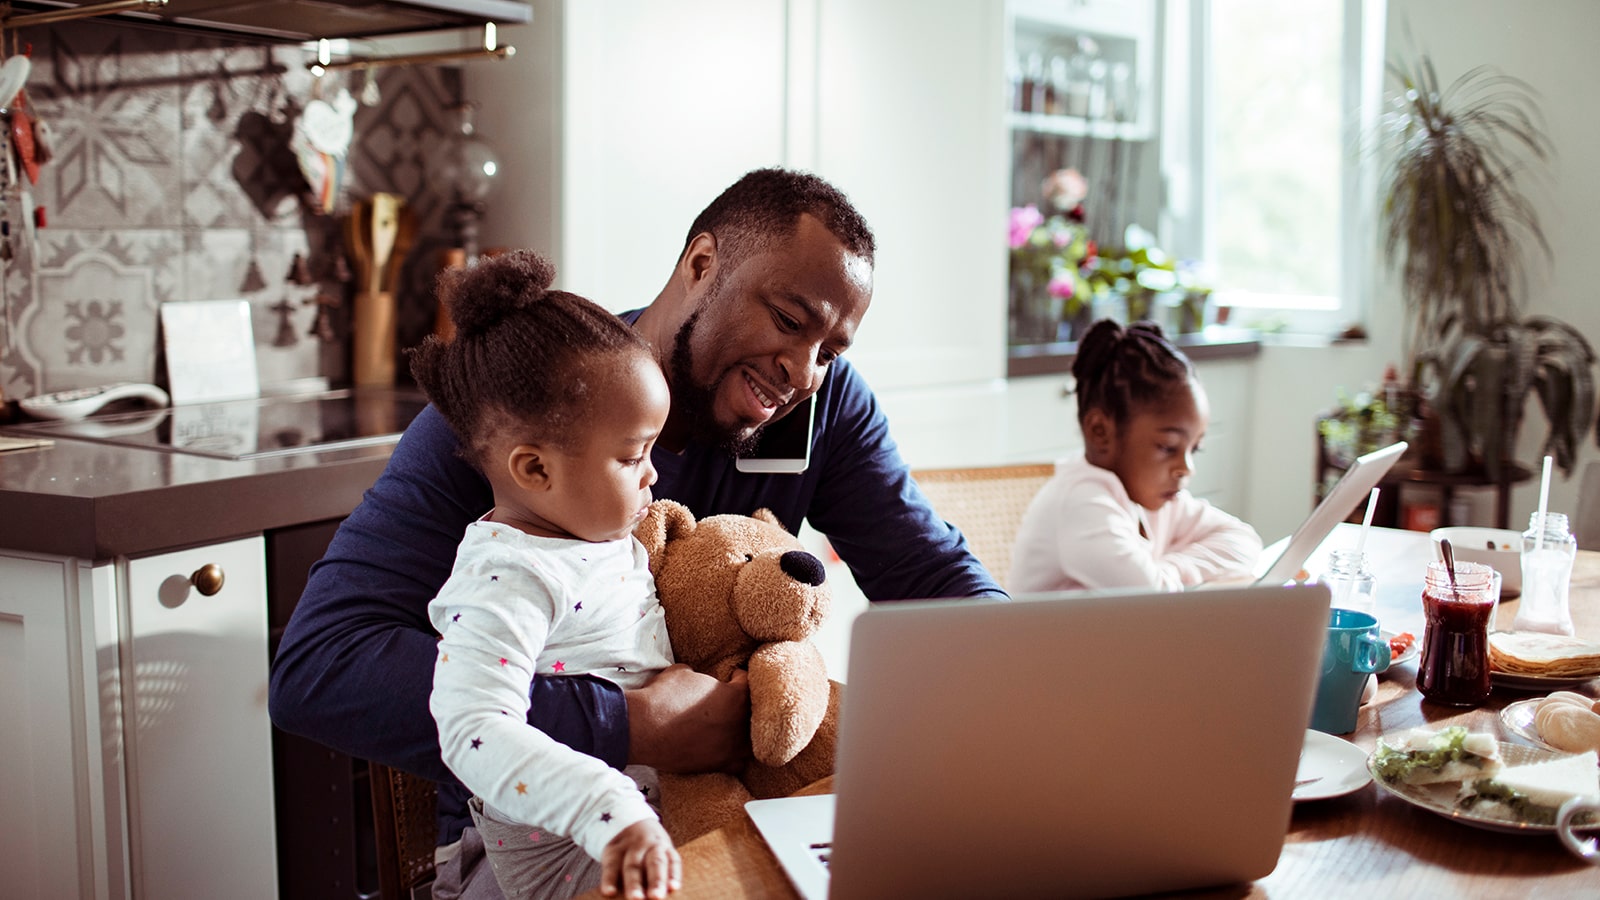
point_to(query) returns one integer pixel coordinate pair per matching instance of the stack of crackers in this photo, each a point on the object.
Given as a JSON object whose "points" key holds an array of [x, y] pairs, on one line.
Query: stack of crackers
{"points": [[1544, 655]]}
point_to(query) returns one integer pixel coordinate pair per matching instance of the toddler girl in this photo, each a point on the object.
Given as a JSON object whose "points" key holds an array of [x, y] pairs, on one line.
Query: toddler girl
{"points": [[1120, 515], [558, 402]]}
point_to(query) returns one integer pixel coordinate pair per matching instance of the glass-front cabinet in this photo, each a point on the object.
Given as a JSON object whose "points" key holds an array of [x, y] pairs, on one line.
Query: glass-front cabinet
{"points": [[1083, 80]]}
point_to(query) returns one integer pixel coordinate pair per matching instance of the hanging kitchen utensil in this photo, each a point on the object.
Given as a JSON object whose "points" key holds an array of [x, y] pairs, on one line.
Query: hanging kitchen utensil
{"points": [[253, 280], [13, 75], [300, 271], [44, 137], [22, 137], [286, 336], [322, 324], [370, 95], [217, 112], [321, 140]]}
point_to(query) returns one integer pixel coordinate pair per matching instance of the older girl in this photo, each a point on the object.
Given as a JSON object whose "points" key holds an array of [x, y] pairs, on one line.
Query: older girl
{"points": [[1121, 514]]}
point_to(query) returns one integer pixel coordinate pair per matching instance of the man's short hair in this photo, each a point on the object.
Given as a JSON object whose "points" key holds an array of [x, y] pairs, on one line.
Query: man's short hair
{"points": [[766, 204]]}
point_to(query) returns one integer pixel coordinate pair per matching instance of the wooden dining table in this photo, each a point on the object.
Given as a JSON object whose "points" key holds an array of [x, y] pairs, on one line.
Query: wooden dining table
{"points": [[1367, 844]]}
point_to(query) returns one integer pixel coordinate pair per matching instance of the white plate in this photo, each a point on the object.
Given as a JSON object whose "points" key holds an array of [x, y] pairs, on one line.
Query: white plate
{"points": [[1441, 798], [1412, 652], [1538, 682], [1518, 719], [1330, 766]]}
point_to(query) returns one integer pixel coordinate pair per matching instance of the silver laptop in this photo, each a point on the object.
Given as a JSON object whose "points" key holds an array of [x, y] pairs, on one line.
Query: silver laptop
{"points": [[1350, 492], [1083, 744]]}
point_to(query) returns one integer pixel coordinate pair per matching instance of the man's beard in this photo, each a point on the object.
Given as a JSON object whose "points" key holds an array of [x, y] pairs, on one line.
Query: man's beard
{"points": [[696, 403]]}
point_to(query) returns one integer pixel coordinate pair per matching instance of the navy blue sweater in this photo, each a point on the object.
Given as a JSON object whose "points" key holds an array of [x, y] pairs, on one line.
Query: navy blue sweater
{"points": [[355, 666]]}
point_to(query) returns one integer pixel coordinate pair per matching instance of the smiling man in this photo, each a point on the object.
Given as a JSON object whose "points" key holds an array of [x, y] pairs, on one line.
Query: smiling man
{"points": [[773, 281]]}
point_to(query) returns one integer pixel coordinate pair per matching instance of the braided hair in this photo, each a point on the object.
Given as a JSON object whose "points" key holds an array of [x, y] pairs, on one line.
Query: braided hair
{"points": [[1122, 369], [523, 359], [766, 205]]}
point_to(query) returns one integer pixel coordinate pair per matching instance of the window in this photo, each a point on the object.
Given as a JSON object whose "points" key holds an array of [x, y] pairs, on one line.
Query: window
{"points": [[1267, 109]]}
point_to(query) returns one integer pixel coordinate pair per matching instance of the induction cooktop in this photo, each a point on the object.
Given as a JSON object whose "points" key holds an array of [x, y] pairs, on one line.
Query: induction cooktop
{"points": [[251, 428]]}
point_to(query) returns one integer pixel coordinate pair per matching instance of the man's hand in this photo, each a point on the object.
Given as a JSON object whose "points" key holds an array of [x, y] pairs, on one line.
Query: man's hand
{"points": [[641, 862], [684, 721]]}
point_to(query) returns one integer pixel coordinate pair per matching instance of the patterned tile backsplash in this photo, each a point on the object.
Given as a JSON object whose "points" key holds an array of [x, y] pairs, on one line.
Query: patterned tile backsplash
{"points": [[170, 177]]}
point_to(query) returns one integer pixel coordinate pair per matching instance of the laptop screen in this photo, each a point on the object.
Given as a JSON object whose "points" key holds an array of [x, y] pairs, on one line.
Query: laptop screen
{"points": [[1065, 744]]}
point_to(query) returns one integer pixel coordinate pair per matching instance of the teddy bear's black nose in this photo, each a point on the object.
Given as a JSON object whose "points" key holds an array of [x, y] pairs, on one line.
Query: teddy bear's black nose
{"points": [[802, 567]]}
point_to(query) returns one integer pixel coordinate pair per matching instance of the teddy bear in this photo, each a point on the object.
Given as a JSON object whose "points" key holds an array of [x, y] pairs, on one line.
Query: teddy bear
{"points": [[742, 592]]}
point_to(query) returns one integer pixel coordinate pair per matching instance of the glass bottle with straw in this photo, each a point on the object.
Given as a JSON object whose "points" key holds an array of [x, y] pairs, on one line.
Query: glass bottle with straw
{"points": [[1548, 551], [1349, 577]]}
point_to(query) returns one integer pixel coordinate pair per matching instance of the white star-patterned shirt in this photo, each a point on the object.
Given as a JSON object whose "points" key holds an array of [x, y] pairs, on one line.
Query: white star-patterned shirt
{"points": [[517, 605]]}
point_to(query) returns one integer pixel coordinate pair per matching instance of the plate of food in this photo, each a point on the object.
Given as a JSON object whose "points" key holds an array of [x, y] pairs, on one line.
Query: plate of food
{"points": [[1519, 682], [1403, 647], [1518, 719], [1473, 779], [1329, 767], [1534, 661], [1564, 721]]}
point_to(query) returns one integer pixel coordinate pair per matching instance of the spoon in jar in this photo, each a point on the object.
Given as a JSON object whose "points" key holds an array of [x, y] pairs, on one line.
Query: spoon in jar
{"points": [[1449, 565]]}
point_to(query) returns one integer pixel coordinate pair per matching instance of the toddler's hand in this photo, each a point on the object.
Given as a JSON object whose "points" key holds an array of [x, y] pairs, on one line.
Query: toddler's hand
{"points": [[641, 862]]}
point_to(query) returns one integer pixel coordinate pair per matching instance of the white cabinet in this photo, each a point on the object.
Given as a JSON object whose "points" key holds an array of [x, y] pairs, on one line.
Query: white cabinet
{"points": [[199, 742], [60, 781], [142, 764], [1042, 419]]}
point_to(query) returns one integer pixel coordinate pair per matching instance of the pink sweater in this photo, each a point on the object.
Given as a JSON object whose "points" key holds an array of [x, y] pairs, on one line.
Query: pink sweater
{"points": [[1082, 531]]}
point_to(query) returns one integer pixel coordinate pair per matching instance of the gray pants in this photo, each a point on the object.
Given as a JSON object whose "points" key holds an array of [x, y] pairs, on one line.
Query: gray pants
{"points": [[496, 860]]}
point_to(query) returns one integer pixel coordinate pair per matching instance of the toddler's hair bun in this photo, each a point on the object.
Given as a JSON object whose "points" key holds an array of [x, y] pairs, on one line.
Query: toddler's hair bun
{"points": [[487, 291], [1096, 348]]}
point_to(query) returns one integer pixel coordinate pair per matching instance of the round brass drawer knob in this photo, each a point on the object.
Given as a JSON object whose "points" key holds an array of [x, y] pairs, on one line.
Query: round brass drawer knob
{"points": [[207, 579]]}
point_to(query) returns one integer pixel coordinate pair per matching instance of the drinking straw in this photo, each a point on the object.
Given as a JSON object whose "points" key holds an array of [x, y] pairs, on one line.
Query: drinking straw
{"points": [[1366, 521], [1544, 503]]}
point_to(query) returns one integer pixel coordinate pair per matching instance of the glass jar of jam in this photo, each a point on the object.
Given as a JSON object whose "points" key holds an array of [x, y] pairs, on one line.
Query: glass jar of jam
{"points": [[1454, 669]]}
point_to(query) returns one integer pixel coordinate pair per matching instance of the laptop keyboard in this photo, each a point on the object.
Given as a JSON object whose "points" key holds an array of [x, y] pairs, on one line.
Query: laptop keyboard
{"points": [[822, 852]]}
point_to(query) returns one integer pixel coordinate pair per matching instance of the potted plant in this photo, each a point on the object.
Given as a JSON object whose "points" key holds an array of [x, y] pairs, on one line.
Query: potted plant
{"points": [[1455, 226], [1047, 290], [1148, 282]]}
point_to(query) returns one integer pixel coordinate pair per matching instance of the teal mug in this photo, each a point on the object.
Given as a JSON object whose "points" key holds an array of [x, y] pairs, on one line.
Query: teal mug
{"points": [[1354, 650]]}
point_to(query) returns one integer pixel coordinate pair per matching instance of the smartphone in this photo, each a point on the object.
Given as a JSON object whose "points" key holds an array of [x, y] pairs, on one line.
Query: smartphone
{"points": [[785, 445]]}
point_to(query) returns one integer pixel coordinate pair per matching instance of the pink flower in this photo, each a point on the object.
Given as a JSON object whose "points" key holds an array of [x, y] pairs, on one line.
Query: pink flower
{"points": [[1062, 286], [1065, 188], [1024, 220]]}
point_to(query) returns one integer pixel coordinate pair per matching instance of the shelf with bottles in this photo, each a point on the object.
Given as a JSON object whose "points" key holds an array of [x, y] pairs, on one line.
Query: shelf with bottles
{"points": [[1083, 71], [1076, 126]]}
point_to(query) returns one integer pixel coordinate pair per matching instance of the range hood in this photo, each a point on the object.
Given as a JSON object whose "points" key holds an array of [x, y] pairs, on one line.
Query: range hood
{"points": [[306, 20]]}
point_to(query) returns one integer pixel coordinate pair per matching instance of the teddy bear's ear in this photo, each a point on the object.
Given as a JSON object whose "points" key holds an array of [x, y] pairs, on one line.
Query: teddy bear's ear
{"points": [[768, 516], [666, 521]]}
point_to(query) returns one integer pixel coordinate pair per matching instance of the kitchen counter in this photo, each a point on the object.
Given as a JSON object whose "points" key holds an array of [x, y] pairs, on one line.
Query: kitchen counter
{"points": [[96, 501], [1215, 342]]}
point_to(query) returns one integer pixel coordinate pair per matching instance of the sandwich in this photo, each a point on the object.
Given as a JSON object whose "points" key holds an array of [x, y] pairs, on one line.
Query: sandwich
{"points": [[1420, 756], [1533, 794]]}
